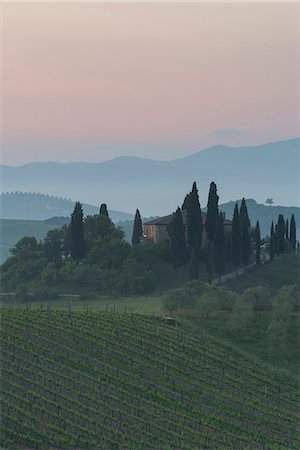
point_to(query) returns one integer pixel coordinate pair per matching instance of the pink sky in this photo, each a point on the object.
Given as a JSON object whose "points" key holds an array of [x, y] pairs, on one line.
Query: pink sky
{"points": [[93, 81]]}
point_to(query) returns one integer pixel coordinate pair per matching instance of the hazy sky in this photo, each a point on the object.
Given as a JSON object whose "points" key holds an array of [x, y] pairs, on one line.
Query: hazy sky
{"points": [[93, 81]]}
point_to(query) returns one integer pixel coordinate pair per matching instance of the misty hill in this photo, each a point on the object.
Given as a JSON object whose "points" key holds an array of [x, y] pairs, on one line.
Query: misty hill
{"points": [[33, 206], [156, 187]]}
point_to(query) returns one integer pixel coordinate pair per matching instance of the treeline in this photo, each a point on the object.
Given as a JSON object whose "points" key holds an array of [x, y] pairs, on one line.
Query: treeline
{"points": [[88, 255], [283, 238], [212, 242]]}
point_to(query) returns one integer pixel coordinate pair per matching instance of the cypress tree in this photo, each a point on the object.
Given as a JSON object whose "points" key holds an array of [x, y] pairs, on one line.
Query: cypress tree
{"points": [[236, 238], [194, 219], [276, 240], [219, 246], [272, 242], [244, 217], [228, 247], [245, 244], [194, 264], [287, 229], [293, 237], [77, 244], [137, 229], [212, 211], [257, 242], [280, 233], [178, 244], [103, 210]]}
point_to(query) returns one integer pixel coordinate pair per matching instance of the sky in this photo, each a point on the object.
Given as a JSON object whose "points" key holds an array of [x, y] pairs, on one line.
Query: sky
{"points": [[93, 81]]}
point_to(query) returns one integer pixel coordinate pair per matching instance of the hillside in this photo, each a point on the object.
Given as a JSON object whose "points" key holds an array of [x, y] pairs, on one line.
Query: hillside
{"points": [[34, 206], [14, 230], [156, 187], [102, 380]]}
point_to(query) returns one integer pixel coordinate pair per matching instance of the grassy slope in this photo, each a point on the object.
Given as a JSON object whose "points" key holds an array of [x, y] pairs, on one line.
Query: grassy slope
{"points": [[284, 269], [104, 380]]}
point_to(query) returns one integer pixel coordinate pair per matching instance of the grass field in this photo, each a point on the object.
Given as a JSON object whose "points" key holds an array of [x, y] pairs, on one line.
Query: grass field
{"points": [[82, 379]]}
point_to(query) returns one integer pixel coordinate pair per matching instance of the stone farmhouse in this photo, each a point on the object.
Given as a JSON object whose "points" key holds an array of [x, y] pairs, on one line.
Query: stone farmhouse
{"points": [[157, 229]]}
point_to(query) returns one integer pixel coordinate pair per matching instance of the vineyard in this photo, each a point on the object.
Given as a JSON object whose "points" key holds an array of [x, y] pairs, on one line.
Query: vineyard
{"points": [[90, 379]]}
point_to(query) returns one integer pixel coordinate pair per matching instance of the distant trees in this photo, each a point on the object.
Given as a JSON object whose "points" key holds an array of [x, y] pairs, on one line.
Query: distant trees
{"points": [[103, 210], [283, 238], [269, 201], [137, 229], [77, 234]]}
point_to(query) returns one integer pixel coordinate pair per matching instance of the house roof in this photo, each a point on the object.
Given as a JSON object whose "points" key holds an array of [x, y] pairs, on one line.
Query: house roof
{"points": [[166, 220]]}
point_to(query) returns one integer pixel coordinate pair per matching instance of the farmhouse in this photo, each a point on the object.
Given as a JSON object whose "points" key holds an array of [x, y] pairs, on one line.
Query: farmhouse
{"points": [[157, 229]]}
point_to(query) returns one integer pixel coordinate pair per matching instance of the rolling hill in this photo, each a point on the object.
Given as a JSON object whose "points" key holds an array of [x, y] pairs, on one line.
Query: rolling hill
{"points": [[35, 206], [83, 379], [156, 187]]}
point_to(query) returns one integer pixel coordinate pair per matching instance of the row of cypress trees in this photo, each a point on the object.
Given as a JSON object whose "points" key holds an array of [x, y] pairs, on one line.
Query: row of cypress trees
{"points": [[77, 243], [283, 236]]}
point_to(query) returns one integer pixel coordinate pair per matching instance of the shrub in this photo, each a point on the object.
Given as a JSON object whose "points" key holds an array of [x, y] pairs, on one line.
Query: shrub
{"points": [[179, 299], [259, 297]]}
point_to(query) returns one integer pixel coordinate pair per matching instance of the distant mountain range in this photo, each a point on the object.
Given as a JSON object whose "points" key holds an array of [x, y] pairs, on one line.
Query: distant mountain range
{"points": [[34, 206], [157, 187]]}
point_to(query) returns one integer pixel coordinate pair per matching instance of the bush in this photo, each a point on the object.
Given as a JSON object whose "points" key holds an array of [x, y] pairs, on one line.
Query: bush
{"points": [[241, 316], [22, 293], [179, 299], [259, 297]]}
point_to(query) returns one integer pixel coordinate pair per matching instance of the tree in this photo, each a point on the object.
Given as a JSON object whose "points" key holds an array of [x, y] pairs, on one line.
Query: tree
{"points": [[178, 244], [219, 246], [236, 236], [212, 211], [287, 229], [77, 236], [293, 237], [272, 242], [245, 244], [194, 264], [257, 243], [137, 229], [269, 201], [103, 210], [53, 246], [244, 217], [281, 233], [194, 219]]}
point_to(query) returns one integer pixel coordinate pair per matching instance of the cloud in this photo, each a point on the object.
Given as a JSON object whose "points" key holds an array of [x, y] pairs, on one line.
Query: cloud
{"points": [[226, 132]]}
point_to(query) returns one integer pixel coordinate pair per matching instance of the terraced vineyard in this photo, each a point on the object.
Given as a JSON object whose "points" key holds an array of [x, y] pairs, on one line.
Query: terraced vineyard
{"points": [[89, 380]]}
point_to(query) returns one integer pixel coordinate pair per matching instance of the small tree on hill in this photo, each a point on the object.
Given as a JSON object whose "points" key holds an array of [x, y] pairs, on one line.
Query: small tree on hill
{"points": [[76, 233], [137, 229], [269, 201], [293, 237], [103, 210], [257, 243]]}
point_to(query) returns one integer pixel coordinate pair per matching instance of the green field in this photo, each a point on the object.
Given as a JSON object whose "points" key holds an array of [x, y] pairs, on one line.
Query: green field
{"points": [[112, 380]]}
